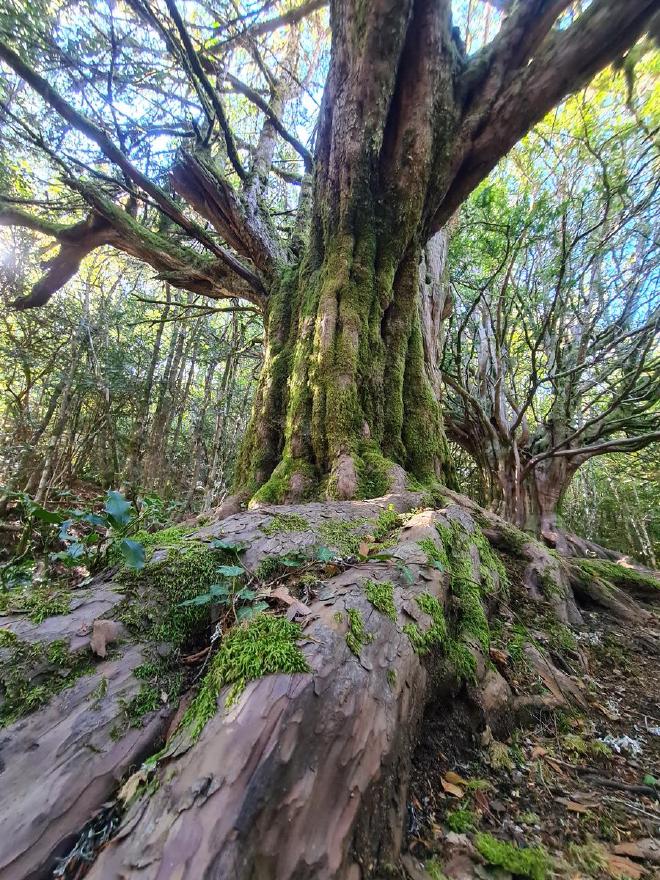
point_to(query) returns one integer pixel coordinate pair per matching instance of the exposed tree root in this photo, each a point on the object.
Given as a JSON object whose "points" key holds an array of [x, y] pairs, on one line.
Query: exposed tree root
{"points": [[303, 775]]}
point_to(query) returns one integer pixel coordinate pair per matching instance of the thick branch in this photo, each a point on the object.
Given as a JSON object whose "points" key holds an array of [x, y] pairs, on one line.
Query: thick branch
{"points": [[565, 61]]}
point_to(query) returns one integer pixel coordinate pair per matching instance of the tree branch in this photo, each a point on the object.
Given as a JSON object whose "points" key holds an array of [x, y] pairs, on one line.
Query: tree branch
{"points": [[562, 64]]}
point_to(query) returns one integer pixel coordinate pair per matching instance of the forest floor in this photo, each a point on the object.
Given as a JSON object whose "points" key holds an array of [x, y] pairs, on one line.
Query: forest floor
{"points": [[577, 792]]}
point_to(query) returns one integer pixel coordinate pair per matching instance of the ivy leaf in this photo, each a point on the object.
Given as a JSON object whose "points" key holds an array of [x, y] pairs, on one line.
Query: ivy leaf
{"points": [[133, 553], [248, 611], [64, 530], [246, 593], [117, 508], [231, 571], [75, 550], [222, 544], [217, 590], [202, 599], [325, 554], [47, 516]]}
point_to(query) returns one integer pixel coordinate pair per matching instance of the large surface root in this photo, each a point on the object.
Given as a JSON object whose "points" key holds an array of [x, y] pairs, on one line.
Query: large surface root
{"points": [[304, 775]]}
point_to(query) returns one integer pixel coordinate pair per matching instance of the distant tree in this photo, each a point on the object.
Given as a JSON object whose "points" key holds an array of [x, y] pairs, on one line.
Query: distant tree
{"points": [[168, 132], [552, 355]]}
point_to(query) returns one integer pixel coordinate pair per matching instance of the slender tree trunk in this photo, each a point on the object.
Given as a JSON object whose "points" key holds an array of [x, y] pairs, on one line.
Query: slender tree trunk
{"points": [[134, 465]]}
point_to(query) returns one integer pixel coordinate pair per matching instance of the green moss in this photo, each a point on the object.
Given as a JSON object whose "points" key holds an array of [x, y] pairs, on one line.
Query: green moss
{"points": [[434, 869], [533, 861], [590, 857], [470, 618], [436, 634], [373, 471], [391, 677], [461, 821], [274, 566], [285, 522], [33, 673], [264, 646], [462, 660], [436, 556], [341, 535], [381, 596], [174, 536], [357, 636], [99, 692], [43, 603], [7, 638], [151, 607], [387, 521], [619, 575], [147, 700], [276, 489]]}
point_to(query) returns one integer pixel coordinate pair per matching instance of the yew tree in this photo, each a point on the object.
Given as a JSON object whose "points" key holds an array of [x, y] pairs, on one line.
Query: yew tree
{"points": [[168, 129]]}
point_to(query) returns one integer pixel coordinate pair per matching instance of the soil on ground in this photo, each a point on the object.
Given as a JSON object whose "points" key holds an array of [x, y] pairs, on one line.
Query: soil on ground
{"points": [[573, 794]]}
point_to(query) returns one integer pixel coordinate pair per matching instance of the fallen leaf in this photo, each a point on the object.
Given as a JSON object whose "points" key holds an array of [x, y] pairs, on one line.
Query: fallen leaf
{"points": [[450, 776], [285, 596], [452, 789], [539, 752], [498, 656], [618, 866], [105, 632], [574, 806], [364, 548], [647, 848], [555, 766], [130, 788]]}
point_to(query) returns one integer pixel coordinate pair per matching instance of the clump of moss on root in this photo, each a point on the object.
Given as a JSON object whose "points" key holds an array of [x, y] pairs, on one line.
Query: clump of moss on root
{"points": [[285, 522], [31, 674], [357, 636], [532, 861], [381, 596], [263, 646]]}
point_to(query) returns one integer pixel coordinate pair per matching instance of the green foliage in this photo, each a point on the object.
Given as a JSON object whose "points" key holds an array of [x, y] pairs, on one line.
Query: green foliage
{"points": [[532, 861], [263, 646], [381, 596]]}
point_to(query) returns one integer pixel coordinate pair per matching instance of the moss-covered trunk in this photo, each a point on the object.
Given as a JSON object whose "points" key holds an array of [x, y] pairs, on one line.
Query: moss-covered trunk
{"points": [[344, 391]]}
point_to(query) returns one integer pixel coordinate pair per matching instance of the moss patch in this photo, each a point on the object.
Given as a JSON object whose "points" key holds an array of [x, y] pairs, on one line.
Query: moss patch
{"points": [[533, 861], [264, 646], [285, 522], [436, 634], [357, 636], [381, 596], [151, 608], [341, 534], [619, 575], [33, 673]]}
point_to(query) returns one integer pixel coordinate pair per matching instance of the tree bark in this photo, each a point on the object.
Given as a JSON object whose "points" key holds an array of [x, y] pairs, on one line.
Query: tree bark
{"points": [[344, 378]]}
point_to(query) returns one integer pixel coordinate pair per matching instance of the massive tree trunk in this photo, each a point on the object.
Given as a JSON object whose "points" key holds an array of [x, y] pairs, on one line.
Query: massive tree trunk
{"points": [[344, 389]]}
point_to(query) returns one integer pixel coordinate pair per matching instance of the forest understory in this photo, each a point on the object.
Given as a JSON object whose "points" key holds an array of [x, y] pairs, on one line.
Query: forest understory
{"points": [[450, 695], [329, 423]]}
